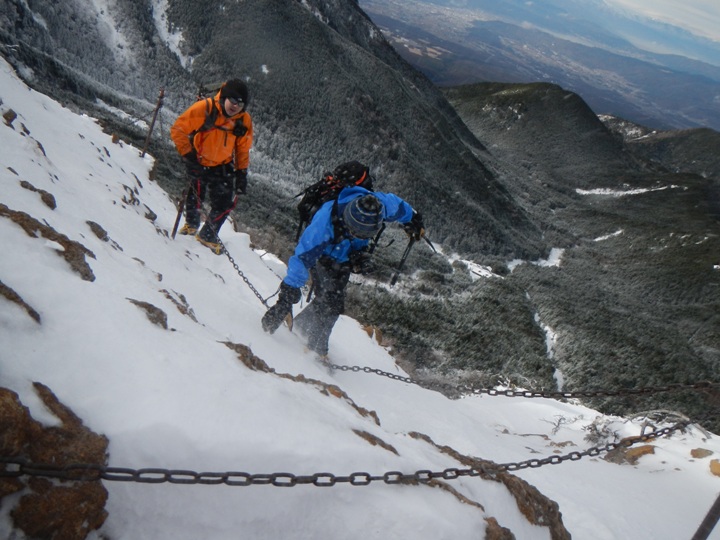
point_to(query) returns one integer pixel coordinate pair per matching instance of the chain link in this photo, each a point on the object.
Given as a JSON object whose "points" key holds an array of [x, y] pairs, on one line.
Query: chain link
{"points": [[235, 265], [465, 389], [282, 479], [14, 467], [240, 272]]}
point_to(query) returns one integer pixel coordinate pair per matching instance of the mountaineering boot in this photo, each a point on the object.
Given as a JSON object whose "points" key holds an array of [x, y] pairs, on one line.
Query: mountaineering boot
{"points": [[325, 362], [188, 230], [214, 246]]}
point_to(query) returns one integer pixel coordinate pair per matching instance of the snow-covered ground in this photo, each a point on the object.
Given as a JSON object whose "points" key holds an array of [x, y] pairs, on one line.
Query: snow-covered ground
{"points": [[179, 398]]}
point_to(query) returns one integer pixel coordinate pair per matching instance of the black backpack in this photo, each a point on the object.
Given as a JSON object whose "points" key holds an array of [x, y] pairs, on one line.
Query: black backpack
{"points": [[329, 187]]}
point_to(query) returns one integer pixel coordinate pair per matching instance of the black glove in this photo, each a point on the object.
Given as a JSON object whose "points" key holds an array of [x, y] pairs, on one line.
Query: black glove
{"points": [[274, 316], [194, 169], [361, 262], [415, 228], [241, 181], [289, 295]]}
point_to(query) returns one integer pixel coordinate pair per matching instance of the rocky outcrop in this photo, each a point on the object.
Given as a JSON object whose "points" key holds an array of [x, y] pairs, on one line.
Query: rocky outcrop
{"points": [[536, 507], [73, 252], [59, 509]]}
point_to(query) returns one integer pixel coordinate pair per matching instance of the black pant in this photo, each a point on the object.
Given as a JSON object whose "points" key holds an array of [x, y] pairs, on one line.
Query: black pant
{"points": [[218, 183], [316, 321]]}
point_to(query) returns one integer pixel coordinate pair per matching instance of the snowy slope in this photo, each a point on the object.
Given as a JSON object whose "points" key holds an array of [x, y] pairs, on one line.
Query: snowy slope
{"points": [[180, 398]]}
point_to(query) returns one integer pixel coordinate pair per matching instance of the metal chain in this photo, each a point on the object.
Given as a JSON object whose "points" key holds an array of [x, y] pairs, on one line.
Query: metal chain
{"points": [[465, 389], [240, 272], [235, 266], [14, 467]]}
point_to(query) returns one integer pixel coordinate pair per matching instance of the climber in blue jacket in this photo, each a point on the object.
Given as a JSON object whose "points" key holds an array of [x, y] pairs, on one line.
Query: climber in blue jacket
{"points": [[334, 245]]}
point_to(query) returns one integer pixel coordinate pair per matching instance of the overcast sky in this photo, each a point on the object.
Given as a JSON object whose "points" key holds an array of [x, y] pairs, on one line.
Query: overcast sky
{"points": [[702, 17]]}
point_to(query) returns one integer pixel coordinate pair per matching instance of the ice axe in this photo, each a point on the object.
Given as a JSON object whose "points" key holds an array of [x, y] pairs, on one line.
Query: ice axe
{"points": [[181, 207]]}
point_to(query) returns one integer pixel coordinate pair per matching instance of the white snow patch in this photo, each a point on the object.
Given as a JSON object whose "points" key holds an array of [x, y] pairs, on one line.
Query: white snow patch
{"points": [[172, 39], [553, 259], [618, 193], [608, 236], [108, 28]]}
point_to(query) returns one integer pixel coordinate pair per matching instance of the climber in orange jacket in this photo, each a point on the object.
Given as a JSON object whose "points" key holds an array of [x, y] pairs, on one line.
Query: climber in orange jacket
{"points": [[214, 137]]}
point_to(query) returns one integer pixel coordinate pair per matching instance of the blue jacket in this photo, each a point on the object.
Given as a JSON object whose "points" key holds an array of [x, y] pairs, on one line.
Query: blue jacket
{"points": [[317, 239]]}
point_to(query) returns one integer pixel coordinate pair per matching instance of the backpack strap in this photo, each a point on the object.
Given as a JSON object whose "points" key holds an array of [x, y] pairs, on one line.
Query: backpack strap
{"points": [[337, 223], [211, 114]]}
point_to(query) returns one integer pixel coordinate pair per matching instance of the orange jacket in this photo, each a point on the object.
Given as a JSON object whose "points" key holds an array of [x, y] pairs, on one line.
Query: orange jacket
{"points": [[218, 145]]}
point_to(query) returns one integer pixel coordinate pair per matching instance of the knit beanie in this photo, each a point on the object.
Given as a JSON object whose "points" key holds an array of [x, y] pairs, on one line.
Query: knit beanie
{"points": [[235, 88], [363, 216]]}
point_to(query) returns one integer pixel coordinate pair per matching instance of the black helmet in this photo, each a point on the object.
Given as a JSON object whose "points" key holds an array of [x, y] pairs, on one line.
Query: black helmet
{"points": [[363, 216]]}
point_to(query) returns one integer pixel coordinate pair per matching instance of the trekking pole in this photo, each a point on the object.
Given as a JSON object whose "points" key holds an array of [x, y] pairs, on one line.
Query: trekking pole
{"points": [[181, 207], [708, 524], [152, 124], [375, 240], [299, 230], [429, 243], [402, 261]]}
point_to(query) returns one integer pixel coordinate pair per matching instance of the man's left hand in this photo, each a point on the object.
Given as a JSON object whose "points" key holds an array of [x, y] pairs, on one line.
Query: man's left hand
{"points": [[361, 263], [415, 228], [241, 181]]}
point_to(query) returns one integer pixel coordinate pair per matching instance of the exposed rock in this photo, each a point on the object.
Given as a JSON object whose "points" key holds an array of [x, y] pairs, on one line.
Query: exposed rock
{"points": [[715, 467], [98, 231], [181, 303], [73, 252], [9, 116], [46, 197], [14, 297], [375, 441], [699, 453], [149, 214], [445, 486], [130, 197], [536, 507], [495, 532], [248, 358], [57, 509], [374, 332], [154, 314], [61, 513], [630, 456], [102, 234]]}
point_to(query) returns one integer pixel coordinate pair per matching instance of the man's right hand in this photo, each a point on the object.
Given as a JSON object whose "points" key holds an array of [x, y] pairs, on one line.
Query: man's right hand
{"points": [[289, 295], [192, 165], [415, 228], [274, 316]]}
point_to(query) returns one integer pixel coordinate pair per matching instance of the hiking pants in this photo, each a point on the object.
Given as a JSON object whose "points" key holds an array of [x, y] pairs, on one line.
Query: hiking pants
{"points": [[218, 183], [316, 321]]}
